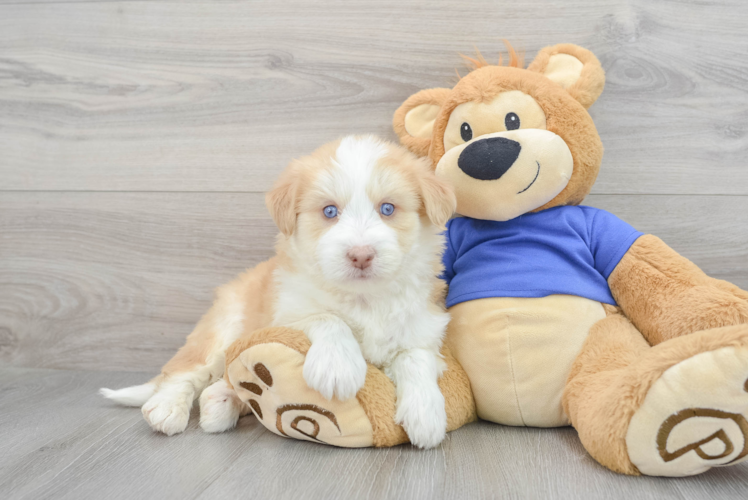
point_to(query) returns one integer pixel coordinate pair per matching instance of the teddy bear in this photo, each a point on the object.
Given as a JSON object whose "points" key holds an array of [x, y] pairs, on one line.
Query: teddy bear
{"points": [[561, 314]]}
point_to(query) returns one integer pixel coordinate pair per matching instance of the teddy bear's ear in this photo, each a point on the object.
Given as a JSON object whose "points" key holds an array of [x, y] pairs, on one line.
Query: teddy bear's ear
{"points": [[414, 120], [574, 68]]}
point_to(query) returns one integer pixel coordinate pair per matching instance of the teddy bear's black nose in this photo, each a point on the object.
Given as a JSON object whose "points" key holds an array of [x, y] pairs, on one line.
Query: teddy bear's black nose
{"points": [[489, 159]]}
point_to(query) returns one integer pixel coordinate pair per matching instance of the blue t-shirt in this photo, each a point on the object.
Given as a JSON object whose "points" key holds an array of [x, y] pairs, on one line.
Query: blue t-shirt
{"points": [[562, 250]]}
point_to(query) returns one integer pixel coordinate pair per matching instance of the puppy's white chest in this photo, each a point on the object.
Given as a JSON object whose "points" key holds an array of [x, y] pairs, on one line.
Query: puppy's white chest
{"points": [[379, 343], [383, 335]]}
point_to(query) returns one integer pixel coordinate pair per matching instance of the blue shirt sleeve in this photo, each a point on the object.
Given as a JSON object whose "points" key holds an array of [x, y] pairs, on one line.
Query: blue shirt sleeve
{"points": [[610, 239], [448, 257]]}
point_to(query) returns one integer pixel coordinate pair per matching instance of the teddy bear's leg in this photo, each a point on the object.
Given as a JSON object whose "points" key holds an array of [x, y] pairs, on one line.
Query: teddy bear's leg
{"points": [[592, 397], [665, 295], [675, 409], [266, 370]]}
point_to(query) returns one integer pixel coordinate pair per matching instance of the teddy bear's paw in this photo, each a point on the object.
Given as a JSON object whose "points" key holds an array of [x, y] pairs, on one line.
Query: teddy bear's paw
{"points": [[694, 417], [269, 378]]}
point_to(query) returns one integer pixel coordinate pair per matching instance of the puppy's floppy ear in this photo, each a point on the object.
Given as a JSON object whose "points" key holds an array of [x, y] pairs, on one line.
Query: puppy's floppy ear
{"points": [[438, 197], [414, 120], [574, 68], [281, 200]]}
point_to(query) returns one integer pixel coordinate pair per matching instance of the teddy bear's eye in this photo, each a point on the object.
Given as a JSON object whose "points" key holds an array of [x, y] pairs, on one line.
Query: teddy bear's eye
{"points": [[466, 132], [511, 121]]}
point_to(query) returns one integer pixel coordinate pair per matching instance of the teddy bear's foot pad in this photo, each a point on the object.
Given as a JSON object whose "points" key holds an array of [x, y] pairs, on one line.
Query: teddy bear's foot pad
{"points": [[694, 417], [269, 378]]}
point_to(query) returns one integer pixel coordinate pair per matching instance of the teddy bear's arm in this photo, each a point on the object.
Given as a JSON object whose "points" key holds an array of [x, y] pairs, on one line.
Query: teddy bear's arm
{"points": [[665, 295]]}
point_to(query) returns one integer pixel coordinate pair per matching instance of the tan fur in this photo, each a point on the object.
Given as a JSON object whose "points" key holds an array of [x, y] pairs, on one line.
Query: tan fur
{"points": [[283, 201], [436, 196], [515, 60], [613, 374], [418, 145], [667, 296], [255, 288], [590, 84], [565, 115]]}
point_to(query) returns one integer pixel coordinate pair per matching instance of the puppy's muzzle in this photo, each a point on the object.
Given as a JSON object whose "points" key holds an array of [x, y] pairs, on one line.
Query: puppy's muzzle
{"points": [[489, 159]]}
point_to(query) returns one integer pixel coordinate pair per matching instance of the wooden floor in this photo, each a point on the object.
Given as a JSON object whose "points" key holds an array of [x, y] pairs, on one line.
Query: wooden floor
{"points": [[59, 439], [137, 138]]}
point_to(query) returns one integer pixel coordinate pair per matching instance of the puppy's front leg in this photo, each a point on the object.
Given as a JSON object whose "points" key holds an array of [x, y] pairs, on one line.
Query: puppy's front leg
{"points": [[420, 403], [334, 365]]}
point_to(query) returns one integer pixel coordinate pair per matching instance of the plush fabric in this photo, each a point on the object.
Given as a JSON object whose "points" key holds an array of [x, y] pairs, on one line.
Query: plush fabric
{"points": [[613, 373], [666, 296], [518, 353]]}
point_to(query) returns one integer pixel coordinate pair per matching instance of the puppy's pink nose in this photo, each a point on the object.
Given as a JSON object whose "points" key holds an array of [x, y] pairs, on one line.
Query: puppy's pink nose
{"points": [[361, 257]]}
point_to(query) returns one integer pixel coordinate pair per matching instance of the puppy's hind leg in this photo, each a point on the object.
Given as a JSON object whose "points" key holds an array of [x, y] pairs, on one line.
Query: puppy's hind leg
{"points": [[199, 362], [220, 408], [243, 303], [168, 399]]}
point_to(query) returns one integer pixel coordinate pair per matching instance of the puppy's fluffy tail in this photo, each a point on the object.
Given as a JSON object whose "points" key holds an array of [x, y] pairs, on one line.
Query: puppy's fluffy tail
{"points": [[136, 395]]}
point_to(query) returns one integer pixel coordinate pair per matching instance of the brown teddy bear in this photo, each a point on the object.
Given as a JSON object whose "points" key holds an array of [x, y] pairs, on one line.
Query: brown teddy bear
{"points": [[561, 314]]}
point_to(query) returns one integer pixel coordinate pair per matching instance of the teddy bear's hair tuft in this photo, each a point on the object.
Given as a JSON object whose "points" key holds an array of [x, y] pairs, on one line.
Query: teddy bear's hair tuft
{"points": [[477, 62]]}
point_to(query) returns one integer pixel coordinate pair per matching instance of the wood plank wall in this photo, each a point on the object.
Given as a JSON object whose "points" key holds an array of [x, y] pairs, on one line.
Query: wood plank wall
{"points": [[137, 139]]}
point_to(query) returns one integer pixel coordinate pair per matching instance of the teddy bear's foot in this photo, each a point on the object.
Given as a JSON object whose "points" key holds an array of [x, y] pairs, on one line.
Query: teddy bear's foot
{"points": [[695, 415], [268, 376], [266, 368]]}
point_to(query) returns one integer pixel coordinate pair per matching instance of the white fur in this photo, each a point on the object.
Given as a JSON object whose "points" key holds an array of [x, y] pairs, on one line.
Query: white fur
{"points": [[385, 319], [130, 396], [168, 410], [420, 407], [220, 407]]}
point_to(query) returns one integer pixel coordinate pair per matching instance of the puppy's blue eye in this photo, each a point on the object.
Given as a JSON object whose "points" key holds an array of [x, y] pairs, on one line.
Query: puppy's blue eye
{"points": [[387, 208], [330, 211]]}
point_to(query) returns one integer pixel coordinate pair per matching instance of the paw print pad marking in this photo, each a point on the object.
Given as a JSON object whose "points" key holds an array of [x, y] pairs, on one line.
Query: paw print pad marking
{"points": [[256, 407], [252, 387], [263, 374], [295, 423], [671, 422], [269, 378]]}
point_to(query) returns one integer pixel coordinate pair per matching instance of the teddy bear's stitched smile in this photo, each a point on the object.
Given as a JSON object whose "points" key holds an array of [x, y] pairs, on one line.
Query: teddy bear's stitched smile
{"points": [[533, 181]]}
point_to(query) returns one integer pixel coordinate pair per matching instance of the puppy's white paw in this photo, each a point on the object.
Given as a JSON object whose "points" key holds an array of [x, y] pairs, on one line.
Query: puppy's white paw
{"points": [[422, 415], [220, 408], [168, 411], [335, 369]]}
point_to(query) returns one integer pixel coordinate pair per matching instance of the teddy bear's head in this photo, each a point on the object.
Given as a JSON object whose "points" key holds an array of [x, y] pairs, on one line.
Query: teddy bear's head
{"points": [[512, 140]]}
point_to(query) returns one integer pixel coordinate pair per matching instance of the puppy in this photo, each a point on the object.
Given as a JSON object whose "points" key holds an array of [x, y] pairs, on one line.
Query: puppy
{"points": [[356, 269]]}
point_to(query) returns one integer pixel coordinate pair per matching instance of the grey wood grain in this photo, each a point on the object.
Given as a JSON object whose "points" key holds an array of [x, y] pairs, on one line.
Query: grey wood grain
{"points": [[206, 96], [115, 281], [59, 439]]}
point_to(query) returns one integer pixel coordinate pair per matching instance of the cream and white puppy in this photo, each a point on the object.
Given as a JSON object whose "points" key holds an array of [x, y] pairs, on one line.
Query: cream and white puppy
{"points": [[356, 269]]}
